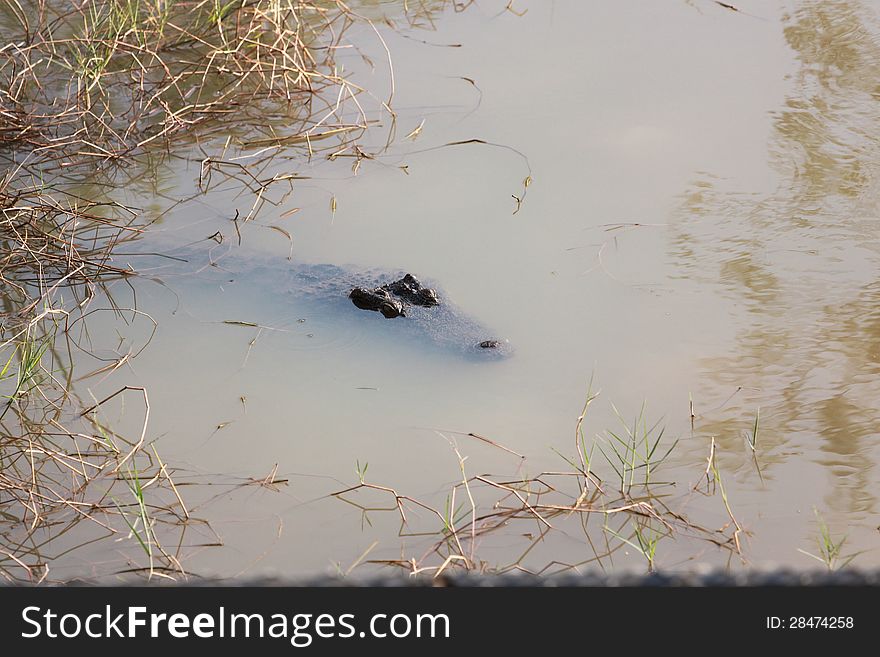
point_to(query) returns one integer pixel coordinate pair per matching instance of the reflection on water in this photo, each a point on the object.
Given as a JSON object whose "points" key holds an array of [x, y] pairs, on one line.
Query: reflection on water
{"points": [[803, 262], [826, 132]]}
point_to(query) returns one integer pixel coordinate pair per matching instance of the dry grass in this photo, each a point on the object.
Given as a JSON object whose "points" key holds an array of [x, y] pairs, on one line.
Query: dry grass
{"points": [[606, 517], [97, 81], [88, 90]]}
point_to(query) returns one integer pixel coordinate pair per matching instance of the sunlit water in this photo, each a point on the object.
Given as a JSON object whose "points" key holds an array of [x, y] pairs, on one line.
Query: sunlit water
{"points": [[701, 225]]}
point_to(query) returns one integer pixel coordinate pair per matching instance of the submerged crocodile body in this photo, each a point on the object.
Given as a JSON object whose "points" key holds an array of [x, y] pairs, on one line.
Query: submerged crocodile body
{"points": [[406, 308]]}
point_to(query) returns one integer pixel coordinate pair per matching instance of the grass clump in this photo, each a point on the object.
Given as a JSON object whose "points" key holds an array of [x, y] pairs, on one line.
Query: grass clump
{"points": [[105, 79], [830, 548], [632, 453]]}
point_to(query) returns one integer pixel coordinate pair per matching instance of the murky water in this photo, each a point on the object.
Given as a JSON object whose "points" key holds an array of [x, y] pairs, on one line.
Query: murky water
{"points": [[701, 225]]}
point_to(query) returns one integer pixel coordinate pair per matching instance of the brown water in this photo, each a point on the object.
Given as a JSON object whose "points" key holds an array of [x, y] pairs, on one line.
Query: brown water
{"points": [[702, 224]]}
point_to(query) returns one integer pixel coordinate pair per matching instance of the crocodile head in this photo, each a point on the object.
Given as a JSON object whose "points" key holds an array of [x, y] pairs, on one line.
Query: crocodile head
{"points": [[378, 299]]}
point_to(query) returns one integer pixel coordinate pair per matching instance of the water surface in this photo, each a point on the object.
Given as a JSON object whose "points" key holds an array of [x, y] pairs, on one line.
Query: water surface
{"points": [[701, 224]]}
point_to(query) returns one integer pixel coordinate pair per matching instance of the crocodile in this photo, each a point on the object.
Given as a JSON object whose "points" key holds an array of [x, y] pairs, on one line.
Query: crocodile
{"points": [[407, 308]]}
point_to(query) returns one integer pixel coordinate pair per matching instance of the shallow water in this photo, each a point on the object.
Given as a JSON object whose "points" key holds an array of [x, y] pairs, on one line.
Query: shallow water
{"points": [[701, 225]]}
